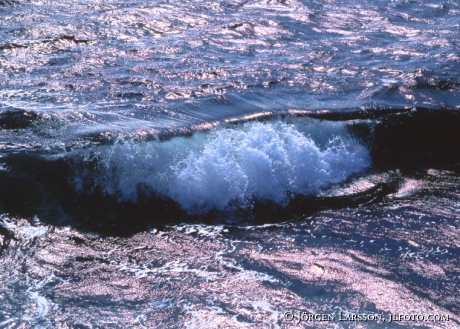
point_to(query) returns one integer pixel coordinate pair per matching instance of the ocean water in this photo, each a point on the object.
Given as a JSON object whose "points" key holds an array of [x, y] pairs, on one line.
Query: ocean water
{"points": [[226, 164]]}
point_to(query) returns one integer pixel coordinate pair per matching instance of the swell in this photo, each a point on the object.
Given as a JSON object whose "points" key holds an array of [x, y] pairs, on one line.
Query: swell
{"points": [[220, 175]]}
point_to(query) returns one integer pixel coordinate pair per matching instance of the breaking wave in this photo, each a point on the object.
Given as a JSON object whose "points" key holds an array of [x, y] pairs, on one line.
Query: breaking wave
{"points": [[227, 167]]}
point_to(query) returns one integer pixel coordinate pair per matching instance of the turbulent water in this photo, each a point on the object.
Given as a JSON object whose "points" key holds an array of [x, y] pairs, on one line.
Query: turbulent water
{"points": [[220, 164]]}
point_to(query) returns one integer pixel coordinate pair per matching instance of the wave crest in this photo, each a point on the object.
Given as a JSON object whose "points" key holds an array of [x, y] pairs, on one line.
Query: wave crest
{"points": [[228, 167]]}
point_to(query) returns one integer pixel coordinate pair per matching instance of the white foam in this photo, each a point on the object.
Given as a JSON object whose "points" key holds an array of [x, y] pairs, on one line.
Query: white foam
{"points": [[229, 167], [267, 307], [27, 232], [199, 319], [209, 231], [164, 303], [141, 271], [42, 303]]}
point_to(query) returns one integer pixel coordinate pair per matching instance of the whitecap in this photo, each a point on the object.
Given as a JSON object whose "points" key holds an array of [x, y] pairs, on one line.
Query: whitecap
{"points": [[227, 167]]}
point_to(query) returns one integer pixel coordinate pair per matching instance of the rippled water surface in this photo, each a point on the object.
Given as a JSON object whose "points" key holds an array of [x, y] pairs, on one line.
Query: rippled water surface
{"points": [[400, 257], [127, 65], [216, 164]]}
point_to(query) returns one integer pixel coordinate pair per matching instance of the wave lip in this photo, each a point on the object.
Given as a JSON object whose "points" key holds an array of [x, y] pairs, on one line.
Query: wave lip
{"points": [[228, 167]]}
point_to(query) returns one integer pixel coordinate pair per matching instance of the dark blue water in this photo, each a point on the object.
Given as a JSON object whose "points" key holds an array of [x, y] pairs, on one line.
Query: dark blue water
{"points": [[217, 164]]}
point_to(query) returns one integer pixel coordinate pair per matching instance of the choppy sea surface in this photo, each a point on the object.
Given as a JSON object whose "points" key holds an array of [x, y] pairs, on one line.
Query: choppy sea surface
{"points": [[229, 164]]}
